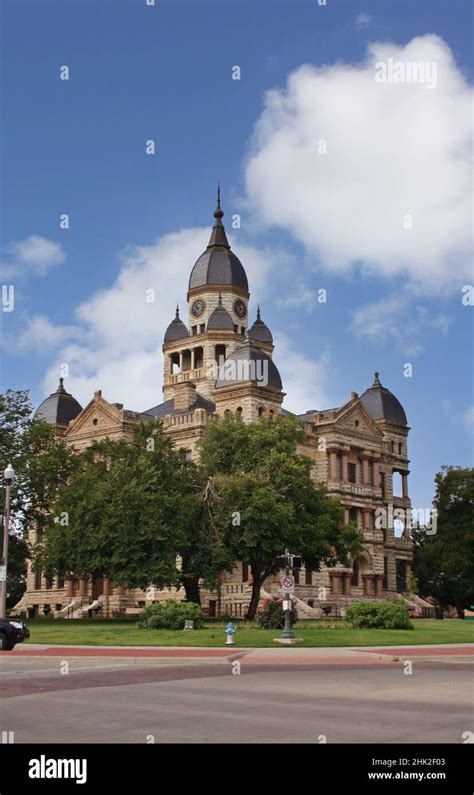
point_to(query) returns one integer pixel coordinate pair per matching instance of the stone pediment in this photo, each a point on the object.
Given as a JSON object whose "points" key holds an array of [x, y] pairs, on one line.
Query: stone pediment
{"points": [[97, 417], [354, 419]]}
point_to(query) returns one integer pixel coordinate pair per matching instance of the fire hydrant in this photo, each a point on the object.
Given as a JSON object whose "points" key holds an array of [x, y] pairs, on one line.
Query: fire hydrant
{"points": [[230, 632]]}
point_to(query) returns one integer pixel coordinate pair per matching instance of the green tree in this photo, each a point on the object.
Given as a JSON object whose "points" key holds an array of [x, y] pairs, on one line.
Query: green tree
{"points": [[262, 499], [444, 560], [41, 462], [128, 510]]}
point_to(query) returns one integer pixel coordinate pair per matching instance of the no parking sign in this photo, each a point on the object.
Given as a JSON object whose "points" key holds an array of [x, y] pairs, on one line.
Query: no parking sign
{"points": [[288, 584]]}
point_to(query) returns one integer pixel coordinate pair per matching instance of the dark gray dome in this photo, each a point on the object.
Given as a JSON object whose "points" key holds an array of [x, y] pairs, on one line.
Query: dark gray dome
{"points": [[263, 369], [176, 329], [260, 331], [220, 318], [381, 404], [218, 264], [59, 408]]}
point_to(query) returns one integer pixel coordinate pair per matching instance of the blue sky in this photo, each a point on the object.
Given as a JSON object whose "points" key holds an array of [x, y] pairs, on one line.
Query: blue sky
{"points": [[165, 73]]}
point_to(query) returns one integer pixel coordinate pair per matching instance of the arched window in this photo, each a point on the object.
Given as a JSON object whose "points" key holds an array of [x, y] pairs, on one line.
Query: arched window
{"points": [[270, 414], [227, 414], [355, 574], [261, 411], [399, 448], [238, 412]]}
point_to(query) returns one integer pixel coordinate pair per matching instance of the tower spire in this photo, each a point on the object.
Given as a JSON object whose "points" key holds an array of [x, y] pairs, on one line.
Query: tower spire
{"points": [[177, 311], [218, 235]]}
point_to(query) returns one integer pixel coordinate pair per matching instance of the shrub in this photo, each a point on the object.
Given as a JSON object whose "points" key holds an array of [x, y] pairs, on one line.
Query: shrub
{"points": [[273, 616], [170, 615], [381, 615]]}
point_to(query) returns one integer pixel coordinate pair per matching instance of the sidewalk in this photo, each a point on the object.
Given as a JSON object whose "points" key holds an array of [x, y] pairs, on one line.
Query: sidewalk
{"points": [[346, 655]]}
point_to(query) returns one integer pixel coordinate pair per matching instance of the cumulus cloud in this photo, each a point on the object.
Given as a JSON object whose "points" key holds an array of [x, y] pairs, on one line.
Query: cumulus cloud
{"points": [[40, 334], [116, 342], [370, 174], [395, 319], [305, 379], [33, 256]]}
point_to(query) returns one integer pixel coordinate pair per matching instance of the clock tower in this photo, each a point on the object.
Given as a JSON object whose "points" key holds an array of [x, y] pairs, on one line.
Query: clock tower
{"points": [[218, 296]]}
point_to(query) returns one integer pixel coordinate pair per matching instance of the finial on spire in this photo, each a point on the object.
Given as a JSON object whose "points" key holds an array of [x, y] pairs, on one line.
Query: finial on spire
{"points": [[258, 312], [61, 385], [177, 312], [218, 214], [220, 299], [376, 380]]}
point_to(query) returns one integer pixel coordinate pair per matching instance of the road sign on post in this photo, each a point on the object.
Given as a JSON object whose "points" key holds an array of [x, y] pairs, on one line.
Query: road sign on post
{"points": [[288, 584], [3, 573]]}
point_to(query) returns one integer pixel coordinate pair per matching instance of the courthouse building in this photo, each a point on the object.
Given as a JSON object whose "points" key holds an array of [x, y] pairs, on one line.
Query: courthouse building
{"points": [[359, 449]]}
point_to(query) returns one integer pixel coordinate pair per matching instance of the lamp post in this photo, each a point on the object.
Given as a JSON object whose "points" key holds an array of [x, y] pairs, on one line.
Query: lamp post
{"points": [[287, 634], [8, 474]]}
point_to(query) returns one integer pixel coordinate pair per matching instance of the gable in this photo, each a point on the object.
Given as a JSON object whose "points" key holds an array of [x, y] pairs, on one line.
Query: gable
{"points": [[97, 418], [353, 418]]}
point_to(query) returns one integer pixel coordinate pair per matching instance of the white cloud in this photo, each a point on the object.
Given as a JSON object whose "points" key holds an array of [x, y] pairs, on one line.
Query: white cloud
{"points": [[117, 345], [396, 319], [41, 335], [32, 256], [363, 21], [393, 150], [305, 379]]}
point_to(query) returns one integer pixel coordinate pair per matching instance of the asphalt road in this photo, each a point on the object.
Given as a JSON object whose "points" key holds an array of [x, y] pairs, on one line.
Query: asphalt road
{"points": [[186, 701]]}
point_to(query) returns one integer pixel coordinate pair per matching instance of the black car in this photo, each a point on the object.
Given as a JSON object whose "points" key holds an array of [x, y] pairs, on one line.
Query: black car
{"points": [[12, 631]]}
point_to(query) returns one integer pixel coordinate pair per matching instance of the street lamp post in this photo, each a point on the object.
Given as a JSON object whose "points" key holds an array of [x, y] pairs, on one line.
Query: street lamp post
{"points": [[8, 475], [287, 633]]}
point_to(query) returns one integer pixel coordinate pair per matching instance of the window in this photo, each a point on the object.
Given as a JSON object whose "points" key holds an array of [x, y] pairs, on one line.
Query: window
{"points": [[353, 515], [399, 448], [37, 580], [95, 421], [392, 445], [351, 473], [385, 572], [245, 572], [198, 358], [401, 576], [194, 331], [58, 608], [242, 331], [238, 412], [382, 483], [261, 411], [220, 354], [60, 582], [308, 576], [355, 574], [236, 329], [296, 575], [202, 328], [356, 423]]}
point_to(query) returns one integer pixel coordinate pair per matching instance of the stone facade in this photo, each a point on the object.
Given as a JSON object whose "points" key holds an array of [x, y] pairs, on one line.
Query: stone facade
{"points": [[357, 449]]}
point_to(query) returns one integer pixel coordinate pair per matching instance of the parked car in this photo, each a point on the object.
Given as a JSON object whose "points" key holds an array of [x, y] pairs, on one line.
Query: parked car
{"points": [[12, 631]]}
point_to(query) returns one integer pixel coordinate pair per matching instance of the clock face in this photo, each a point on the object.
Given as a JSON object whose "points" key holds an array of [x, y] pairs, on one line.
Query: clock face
{"points": [[198, 307], [240, 309]]}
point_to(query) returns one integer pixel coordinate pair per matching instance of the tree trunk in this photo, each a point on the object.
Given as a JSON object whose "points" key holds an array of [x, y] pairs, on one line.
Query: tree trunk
{"points": [[191, 588], [255, 598], [460, 610]]}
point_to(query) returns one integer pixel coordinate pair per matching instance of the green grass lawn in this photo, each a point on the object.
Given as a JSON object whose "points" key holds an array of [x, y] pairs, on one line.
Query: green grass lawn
{"points": [[97, 632]]}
